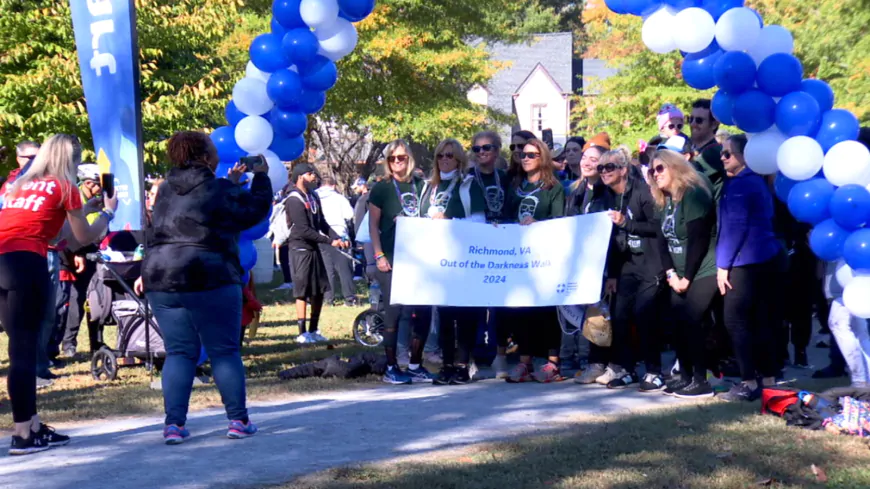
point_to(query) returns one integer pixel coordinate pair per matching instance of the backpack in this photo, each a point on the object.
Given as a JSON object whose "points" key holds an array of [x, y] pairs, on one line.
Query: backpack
{"points": [[279, 231]]}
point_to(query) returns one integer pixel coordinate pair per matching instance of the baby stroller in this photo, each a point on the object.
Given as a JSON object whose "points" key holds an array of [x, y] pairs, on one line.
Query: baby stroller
{"points": [[368, 326], [113, 301]]}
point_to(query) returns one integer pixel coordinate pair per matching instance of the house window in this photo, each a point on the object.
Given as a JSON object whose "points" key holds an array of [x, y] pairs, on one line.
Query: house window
{"points": [[539, 119]]}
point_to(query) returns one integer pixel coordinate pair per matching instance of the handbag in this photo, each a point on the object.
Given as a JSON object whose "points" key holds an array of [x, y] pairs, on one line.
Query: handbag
{"points": [[597, 328]]}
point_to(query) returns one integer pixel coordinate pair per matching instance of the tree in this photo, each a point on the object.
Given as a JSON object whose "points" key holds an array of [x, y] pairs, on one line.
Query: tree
{"points": [[630, 100]]}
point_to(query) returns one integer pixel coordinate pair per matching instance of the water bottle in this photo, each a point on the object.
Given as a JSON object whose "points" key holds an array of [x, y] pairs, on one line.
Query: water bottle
{"points": [[139, 254], [374, 294]]}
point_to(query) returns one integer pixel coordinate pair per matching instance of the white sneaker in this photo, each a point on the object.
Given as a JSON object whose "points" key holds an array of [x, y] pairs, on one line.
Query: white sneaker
{"points": [[305, 338], [608, 376], [284, 286], [318, 337]]}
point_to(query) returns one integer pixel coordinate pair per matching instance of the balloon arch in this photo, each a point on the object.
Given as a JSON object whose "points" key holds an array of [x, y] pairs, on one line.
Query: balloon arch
{"points": [[291, 69], [794, 131]]}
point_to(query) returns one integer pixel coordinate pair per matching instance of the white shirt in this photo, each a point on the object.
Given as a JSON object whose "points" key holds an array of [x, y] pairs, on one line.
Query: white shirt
{"points": [[336, 209]]}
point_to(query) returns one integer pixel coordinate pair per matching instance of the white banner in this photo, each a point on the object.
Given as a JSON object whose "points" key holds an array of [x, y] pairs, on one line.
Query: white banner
{"points": [[462, 263]]}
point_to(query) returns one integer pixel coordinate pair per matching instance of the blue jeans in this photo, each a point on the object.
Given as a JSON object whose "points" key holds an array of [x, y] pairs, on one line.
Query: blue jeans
{"points": [[189, 320], [46, 328]]}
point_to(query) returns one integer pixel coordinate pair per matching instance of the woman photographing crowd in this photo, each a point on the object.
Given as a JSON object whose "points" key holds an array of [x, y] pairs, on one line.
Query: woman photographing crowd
{"points": [[34, 211]]}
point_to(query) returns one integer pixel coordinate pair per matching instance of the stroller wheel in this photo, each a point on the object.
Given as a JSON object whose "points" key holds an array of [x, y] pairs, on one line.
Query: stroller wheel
{"points": [[104, 365], [368, 328]]}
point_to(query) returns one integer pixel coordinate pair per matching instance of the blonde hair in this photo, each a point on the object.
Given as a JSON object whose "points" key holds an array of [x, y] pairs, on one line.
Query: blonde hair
{"points": [[496, 141], [683, 177], [458, 153], [58, 157], [392, 147], [575, 185], [621, 156]]}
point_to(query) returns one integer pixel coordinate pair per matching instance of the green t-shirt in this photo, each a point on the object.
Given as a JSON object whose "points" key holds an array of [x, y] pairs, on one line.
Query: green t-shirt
{"points": [[696, 204], [452, 203], [384, 197], [532, 199], [492, 188]]}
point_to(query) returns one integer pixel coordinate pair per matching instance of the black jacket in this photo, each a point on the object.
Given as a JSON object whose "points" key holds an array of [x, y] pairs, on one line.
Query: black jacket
{"points": [[196, 224], [308, 226], [642, 222]]}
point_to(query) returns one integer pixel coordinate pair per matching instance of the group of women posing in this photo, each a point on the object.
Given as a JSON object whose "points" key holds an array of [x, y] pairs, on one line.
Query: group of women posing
{"points": [[668, 262]]}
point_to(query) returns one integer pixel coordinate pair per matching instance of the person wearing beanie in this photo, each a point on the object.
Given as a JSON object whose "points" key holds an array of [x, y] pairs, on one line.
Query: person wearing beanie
{"points": [[670, 121], [601, 139]]}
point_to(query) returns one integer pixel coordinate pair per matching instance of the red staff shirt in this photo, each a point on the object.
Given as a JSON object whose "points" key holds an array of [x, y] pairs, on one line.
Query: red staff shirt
{"points": [[35, 214]]}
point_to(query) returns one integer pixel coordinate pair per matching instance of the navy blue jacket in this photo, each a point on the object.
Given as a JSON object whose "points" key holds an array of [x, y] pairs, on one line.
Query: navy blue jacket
{"points": [[746, 233]]}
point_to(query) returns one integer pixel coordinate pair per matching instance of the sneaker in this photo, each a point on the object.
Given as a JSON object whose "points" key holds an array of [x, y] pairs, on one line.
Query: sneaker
{"points": [[675, 370], [675, 385], [652, 383], [53, 438], [48, 375], [624, 379], [444, 376], [34, 444], [420, 375], [174, 434], [829, 372], [284, 286], [520, 374], [352, 302], [607, 377], [549, 373], [695, 390], [394, 375], [588, 376], [500, 366], [741, 392], [461, 376], [318, 338], [305, 339], [238, 430], [43, 383]]}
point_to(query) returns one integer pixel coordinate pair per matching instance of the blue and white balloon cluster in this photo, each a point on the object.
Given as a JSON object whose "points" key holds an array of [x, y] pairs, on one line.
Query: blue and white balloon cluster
{"points": [[291, 69], [795, 132]]}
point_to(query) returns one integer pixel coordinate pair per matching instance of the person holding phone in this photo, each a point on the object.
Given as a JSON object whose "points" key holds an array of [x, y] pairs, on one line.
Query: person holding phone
{"points": [[308, 229]]}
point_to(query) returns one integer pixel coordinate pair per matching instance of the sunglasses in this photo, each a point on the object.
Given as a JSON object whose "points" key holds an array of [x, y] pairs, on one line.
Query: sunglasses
{"points": [[449, 156], [675, 126], [399, 158], [485, 147], [656, 169], [530, 156], [517, 147], [726, 154], [607, 168], [696, 120]]}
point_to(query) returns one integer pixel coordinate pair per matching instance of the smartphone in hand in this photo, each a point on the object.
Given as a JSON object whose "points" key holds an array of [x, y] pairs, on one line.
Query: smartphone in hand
{"points": [[107, 182], [253, 162]]}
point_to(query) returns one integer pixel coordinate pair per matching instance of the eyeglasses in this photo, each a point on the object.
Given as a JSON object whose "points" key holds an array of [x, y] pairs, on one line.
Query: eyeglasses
{"points": [[448, 156], [485, 147], [530, 156], [656, 169], [399, 158], [517, 147], [607, 168], [696, 120], [678, 127], [726, 155]]}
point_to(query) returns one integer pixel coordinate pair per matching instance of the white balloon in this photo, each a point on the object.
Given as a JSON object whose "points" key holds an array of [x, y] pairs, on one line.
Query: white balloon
{"points": [[773, 39], [848, 162], [658, 31], [318, 13], [761, 151], [277, 170], [738, 29], [695, 29], [251, 98], [254, 134], [855, 296], [341, 43], [252, 71], [800, 158], [843, 273]]}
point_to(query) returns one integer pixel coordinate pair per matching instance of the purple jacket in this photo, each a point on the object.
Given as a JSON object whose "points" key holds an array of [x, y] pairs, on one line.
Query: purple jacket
{"points": [[745, 222]]}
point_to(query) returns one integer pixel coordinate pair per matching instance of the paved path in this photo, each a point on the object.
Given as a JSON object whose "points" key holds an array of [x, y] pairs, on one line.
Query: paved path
{"points": [[311, 434]]}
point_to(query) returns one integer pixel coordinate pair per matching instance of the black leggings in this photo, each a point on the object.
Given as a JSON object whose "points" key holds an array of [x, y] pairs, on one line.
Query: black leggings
{"points": [[458, 332], [637, 302], [534, 329], [749, 317], [691, 310], [24, 285], [421, 322]]}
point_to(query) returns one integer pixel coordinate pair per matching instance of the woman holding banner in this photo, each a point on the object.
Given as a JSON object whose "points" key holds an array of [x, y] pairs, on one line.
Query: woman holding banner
{"points": [[451, 194], [535, 195], [399, 194]]}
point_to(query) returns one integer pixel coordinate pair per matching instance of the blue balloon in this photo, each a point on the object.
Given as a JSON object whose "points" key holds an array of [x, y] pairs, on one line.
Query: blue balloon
{"points": [[718, 7], [256, 232], [246, 278], [754, 111], [698, 67], [319, 75], [734, 72], [782, 185], [821, 91], [277, 28], [287, 13], [247, 254], [288, 149], [681, 4], [837, 125], [856, 251], [311, 102], [266, 53], [289, 123], [850, 206], [808, 200], [224, 139], [355, 10], [798, 114], [780, 74], [233, 114], [722, 107], [827, 240], [223, 169], [642, 8], [300, 46], [284, 88], [616, 6]]}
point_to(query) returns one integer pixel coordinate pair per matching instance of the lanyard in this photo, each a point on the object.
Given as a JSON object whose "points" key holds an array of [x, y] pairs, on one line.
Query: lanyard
{"points": [[497, 202], [412, 210], [439, 204], [538, 187]]}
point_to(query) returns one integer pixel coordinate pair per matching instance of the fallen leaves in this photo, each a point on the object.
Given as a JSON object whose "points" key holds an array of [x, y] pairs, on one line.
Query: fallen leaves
{"points": [[819, 472]]}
